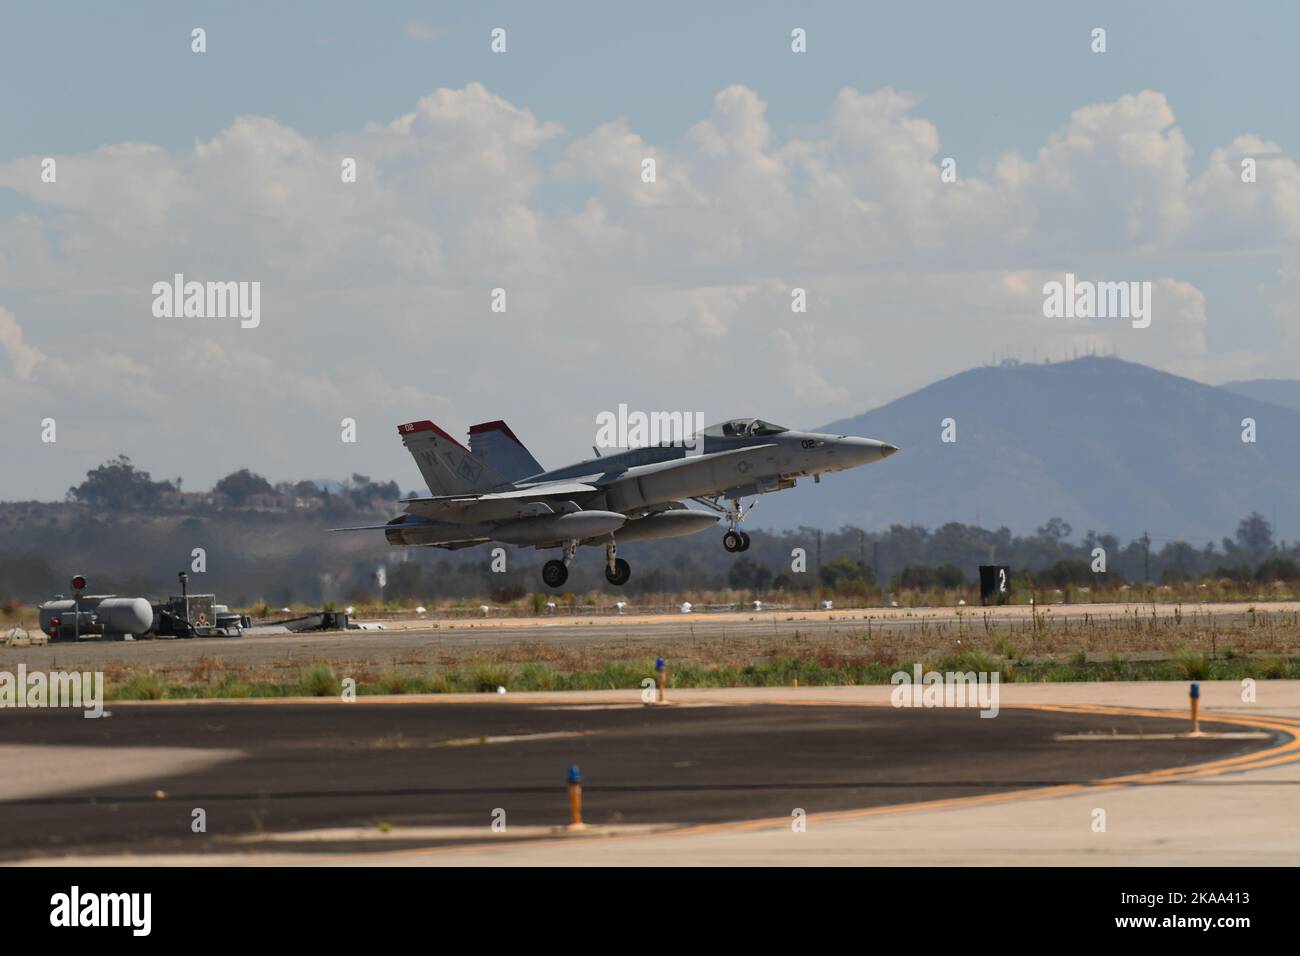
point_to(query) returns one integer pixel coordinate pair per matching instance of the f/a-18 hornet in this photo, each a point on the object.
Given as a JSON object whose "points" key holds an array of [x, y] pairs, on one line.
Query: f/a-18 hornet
{"points": [[496, 491]]}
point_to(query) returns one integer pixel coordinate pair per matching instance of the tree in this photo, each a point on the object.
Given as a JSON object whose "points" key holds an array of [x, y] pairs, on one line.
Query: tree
{"points": [[746, 575], [844, 574], [1277, 569], [1068, 571], [361, 491], [1233, 572], [949, 576], [299, 489], [238, 486], [119, 485], [919, 576], [1255, 534], [1056, 529]]}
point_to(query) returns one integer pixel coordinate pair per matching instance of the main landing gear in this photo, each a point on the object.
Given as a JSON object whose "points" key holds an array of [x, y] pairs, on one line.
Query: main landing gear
{"points": [[555, 572], [617, 571], [618, 574]]}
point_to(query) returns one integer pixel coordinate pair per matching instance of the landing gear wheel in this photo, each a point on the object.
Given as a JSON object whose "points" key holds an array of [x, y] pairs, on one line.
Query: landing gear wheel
{"points": [[744, 541], [554, 573], [732, 541], [621, 572]]}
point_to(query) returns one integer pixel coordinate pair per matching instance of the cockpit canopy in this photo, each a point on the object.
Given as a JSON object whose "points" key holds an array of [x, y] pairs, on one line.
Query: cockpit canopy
{"points": [[743, 428]]}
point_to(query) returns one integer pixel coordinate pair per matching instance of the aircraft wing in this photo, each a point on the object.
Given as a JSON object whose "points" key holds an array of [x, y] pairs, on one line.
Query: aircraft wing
{"points": [[518, 502], [542, 490]]}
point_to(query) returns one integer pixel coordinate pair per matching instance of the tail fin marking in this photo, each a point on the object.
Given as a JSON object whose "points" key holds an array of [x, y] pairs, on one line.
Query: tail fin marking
{"points": [[448, 467]]}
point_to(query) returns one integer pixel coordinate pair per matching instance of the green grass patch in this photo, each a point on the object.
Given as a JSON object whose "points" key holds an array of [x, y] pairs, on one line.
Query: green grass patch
{"points": [[780, 671], [320, 681]]}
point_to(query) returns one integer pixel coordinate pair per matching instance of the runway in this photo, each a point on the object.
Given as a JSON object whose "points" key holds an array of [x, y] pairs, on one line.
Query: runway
{"points": [[326, 780]]}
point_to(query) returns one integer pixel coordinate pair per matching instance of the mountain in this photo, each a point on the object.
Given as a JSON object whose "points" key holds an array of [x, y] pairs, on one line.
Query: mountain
{"points": [[1279, 391], [1102, 443]]}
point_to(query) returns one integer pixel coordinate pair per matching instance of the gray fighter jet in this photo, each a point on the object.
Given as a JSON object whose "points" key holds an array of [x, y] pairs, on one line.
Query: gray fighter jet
{"points": [[496, 491]]}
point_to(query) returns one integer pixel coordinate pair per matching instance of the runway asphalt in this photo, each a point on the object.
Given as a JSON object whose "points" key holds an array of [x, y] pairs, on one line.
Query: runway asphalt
{"points": [[328, 777]]}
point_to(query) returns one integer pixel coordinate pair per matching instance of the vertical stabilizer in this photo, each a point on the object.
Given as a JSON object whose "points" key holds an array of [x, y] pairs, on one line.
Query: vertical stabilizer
{"points": [[448, 467], [496, 445]]}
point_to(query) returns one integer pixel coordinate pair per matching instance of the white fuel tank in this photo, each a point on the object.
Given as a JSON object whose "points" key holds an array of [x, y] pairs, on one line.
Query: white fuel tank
{"points": [[125, 615]]}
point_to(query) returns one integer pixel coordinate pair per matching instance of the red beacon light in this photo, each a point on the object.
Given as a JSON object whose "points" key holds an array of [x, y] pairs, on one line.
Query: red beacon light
{"points": [[79, 583]]}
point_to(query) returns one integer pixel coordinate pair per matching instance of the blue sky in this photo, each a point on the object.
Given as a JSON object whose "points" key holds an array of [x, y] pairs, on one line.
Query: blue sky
{"points": [[995, 75]]}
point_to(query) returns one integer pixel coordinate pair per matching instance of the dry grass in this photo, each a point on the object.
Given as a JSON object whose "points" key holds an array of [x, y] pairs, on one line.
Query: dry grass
{"points": [[1190, 642]]}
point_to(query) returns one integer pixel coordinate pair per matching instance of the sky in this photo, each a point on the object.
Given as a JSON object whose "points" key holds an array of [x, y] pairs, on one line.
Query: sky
{"points": [[523, 170]]}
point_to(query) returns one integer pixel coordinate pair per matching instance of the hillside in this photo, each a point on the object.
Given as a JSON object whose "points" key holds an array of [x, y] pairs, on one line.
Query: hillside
{"points": [[1278, 391], [1103, 443]]}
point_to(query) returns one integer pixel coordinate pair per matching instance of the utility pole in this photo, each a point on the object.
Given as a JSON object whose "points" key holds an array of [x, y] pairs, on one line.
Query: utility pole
{"points": [[819, 555], [1146, 557], [78, 586], [185, 594]]}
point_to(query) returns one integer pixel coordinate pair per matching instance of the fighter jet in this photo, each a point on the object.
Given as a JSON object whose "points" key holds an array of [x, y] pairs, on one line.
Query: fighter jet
{"points": [[495, 490]]}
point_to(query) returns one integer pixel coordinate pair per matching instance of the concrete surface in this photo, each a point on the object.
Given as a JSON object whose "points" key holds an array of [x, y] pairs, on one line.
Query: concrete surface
{"points": [[711, 779]]}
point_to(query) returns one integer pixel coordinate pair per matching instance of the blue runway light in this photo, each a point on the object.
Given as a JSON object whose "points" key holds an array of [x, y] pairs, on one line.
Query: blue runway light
{"points": [[659, 663], [575, 775], [1196, 690]]}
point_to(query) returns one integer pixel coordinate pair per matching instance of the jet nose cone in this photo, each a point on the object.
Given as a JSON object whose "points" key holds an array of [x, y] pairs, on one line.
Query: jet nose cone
{"points": [[863, 451]]}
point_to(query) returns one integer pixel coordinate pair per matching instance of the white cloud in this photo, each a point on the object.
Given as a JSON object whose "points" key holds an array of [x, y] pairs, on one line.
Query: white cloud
{"points": [[672, 294], [22, 357], [421, 30]]}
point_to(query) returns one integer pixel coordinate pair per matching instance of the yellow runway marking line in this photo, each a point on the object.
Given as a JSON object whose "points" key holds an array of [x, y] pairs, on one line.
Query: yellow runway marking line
{"points": [[1286, 752], [585, 707], [461, 834], [1283, 753], [974, 614], [1102, 737], [515, 738]]}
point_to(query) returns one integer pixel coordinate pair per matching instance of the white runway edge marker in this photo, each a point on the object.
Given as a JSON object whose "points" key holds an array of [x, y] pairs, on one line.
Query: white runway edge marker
{"points": [[103, 909]]}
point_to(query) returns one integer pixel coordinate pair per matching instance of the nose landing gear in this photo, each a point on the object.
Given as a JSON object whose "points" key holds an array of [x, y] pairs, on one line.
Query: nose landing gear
{"points": [[735, 540]]}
